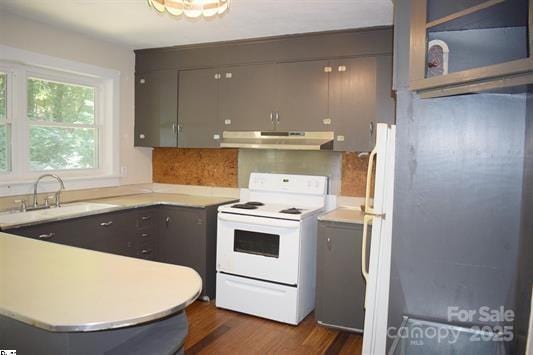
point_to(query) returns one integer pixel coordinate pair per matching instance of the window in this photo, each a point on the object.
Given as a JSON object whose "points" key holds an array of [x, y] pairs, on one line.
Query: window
{"points": [[5, 156], [59, 121], [62, 125]]}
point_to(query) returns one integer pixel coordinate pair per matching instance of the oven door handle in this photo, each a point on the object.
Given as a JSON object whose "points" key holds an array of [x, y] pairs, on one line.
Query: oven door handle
{"points": [[260, 221]]}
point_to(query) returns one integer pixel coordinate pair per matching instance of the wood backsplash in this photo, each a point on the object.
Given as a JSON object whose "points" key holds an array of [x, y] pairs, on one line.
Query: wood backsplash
{"points": [[208, 167], [218, 167]]}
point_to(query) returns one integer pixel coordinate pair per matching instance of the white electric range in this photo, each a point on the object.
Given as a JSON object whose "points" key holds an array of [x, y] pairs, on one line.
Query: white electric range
{"points": [[266, 247]]}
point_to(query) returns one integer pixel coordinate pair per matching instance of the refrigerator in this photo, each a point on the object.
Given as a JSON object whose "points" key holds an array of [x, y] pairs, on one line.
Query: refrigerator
{"points": [[378, 212]]}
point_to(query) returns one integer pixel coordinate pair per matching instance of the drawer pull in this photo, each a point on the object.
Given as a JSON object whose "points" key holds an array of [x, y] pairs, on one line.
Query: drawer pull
{"points": [[146, 251], [47, 236], [146, 218], [144, 235], [106, 224]]}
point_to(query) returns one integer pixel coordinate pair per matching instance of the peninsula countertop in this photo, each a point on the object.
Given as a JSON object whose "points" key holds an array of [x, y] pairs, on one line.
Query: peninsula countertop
{"points": [[61, 288]]}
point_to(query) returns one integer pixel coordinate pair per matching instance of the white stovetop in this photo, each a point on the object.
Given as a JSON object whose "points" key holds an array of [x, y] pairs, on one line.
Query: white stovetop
{"points": [[272, 210]]}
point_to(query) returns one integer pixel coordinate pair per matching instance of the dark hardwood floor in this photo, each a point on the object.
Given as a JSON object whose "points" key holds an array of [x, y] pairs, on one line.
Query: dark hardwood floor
{"points": [[217, 331]]}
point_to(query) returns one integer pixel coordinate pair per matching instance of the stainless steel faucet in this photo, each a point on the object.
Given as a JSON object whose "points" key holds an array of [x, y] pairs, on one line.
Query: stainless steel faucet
{"points": [[57, 194]]}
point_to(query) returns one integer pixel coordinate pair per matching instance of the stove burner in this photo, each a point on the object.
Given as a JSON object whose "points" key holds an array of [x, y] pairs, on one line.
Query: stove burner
{"points": [[291, 211], [244, 206], [254, 203]]}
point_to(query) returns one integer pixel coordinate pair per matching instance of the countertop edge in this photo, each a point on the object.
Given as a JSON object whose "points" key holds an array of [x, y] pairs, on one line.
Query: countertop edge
{"points": [[117, 208], [100, 326]]}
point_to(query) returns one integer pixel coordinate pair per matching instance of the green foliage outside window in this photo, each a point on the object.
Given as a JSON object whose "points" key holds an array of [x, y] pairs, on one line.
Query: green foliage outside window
{"points": [[59, 147]]}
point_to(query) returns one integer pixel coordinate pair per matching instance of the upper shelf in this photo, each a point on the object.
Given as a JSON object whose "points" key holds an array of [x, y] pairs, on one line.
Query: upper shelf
{"points": [[486, 14], [477, 46]]}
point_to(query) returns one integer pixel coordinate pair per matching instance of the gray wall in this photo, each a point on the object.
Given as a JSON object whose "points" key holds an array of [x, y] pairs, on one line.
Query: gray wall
{"points": [[458, 201], [525, 262], [458, 196]]}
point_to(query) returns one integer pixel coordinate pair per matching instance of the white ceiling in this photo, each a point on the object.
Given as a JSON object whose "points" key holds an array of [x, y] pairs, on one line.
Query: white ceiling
{"points": [[135, 25]]}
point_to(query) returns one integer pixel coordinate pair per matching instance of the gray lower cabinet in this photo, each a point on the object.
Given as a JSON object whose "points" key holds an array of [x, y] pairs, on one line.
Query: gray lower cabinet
{"points": [[247, 96], [352, 97], [340, 289], [156, 109], [198, 124], [175, 235], [188, 237], [302, 96]]}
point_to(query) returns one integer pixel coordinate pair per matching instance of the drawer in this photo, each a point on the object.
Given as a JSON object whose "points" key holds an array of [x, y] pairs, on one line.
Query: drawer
{"points": [[146, 219], [146, 252], [146, 248]]}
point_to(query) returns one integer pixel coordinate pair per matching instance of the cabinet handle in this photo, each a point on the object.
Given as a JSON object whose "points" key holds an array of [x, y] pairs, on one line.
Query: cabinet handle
{"points": [[145, 235], [327, 69], [371, 128], [146, 251], [167, 221], [106, 224], [272, 117], [146, 218], [277, 118], [47, 236], [217, 76], [341, 68], [329, 243], [142, 81], [175, 128]]}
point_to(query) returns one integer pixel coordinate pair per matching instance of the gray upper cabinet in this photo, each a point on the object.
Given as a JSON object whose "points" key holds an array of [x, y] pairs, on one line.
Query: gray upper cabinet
{"points": [[156, 108], [198, 124], [352, 103], [302, 96], [247, 97], [290, 83]]}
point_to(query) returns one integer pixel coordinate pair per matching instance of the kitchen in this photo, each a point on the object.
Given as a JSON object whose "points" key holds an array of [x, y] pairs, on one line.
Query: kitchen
{"points": [[235, 182]]}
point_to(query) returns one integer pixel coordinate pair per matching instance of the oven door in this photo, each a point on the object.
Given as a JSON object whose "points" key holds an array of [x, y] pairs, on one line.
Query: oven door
{"points": [[257, 247]]}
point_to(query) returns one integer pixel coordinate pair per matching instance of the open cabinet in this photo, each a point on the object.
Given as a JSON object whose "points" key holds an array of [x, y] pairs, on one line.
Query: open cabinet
{"points": [[460, 47]]}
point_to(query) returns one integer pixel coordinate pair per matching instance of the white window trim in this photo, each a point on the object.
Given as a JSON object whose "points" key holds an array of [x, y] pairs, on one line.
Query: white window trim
{"points": [[20, 64]]}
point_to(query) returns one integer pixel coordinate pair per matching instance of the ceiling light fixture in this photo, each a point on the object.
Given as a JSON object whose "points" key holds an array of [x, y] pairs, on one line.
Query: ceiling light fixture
{"points": [[191, 8]]}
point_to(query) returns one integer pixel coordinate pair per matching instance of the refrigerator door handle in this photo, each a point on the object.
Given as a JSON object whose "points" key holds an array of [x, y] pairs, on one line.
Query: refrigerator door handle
{"points": [[369, 171], [368, 210], [364, 268]]}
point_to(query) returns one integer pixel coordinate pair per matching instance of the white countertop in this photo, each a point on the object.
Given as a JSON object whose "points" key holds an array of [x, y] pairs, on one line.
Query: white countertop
{"points": [[344, 215], [62, 288], [110, 204]]}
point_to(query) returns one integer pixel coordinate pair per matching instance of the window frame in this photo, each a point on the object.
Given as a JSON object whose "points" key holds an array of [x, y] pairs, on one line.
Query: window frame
{"points": [[8, 121], [99, 119], [106, 84]]}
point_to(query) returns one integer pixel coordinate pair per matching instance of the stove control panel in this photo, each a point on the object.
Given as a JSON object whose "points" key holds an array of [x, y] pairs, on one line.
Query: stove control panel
{"points": [[298, 184]]}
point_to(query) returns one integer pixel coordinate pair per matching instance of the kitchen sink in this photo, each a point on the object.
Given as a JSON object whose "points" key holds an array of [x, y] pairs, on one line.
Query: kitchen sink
{"points": [[69, 210]]}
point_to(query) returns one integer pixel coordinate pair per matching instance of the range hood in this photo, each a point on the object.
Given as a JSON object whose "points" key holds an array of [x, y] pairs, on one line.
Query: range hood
{"points": [[278, 140]]}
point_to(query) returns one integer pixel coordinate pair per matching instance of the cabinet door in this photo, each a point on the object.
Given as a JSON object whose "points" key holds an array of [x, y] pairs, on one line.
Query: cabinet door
{"points": [[340, 284], [198, 108], [110, 233], [156, 109], [65, 232], [302, 102], [247, 97], [182, 238], [352, 98]]}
